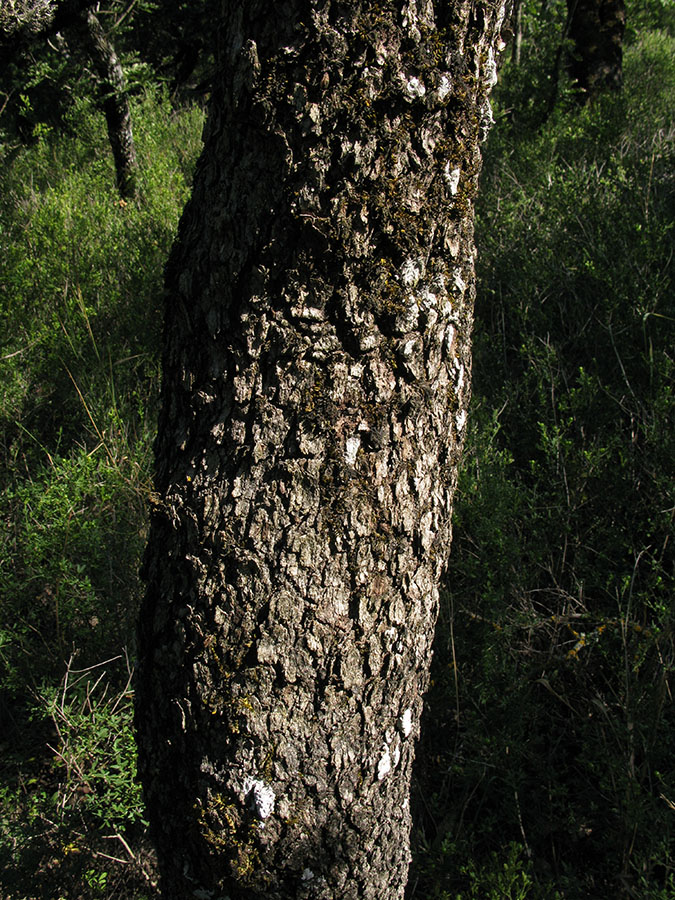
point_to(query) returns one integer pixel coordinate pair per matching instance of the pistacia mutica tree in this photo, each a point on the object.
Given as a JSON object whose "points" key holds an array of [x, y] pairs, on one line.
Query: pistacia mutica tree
{"points": [[316, 380]]}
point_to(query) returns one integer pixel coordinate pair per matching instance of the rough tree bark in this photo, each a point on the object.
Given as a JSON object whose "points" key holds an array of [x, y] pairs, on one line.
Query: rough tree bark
{"points": [[114, 100], [316, 381], [596, 29]]}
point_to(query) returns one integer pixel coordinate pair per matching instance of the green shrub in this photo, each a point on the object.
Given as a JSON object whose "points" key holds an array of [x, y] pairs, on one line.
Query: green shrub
{"points": [[81, 278], [505, 875], [81, 282], [68, 560], [66, 820], [95, 748], [550, 715]]}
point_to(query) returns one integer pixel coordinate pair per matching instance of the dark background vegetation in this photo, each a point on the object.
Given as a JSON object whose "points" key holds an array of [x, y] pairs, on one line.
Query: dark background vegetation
{"points": [[546, 766]]}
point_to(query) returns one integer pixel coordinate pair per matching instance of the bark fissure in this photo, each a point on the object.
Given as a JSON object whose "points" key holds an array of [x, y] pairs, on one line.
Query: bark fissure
{"points": [[316, 378]]}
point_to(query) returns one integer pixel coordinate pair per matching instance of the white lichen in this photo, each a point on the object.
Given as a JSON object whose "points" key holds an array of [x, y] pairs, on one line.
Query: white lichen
{"points": [[444, 87], [487, 120], [490, 74], [459, 282], [460, 376], [313, 119], [410, 21], [461, 420], [451, 177], [405, 723], [411, 271], [427, 299], [307, 875], [384, 764], [414, 87], [259, 798], [352, 448], [449, 338]]}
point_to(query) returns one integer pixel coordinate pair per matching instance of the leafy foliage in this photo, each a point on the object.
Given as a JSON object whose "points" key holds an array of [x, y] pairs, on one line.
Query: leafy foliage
{"points": [[81, 281], [551, 714]]}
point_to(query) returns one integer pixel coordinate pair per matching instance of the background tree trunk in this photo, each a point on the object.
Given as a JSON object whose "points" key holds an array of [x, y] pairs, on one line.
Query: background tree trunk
{"points": [[114, 100], [517, 25], [596, 28], [316, 381]]}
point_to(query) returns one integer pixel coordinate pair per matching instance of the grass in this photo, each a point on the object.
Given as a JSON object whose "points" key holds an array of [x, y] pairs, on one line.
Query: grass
{"points": [[81, 282]]}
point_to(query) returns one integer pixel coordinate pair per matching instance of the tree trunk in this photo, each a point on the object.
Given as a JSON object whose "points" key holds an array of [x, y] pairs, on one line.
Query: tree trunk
{"points": [[112, 84], [517, 24], [596, 29], [316, 381]]}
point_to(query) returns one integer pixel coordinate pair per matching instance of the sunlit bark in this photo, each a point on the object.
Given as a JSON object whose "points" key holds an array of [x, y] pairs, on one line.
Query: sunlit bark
{"points": [[316, 382]]}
